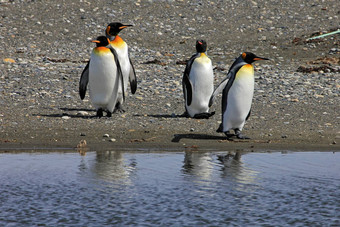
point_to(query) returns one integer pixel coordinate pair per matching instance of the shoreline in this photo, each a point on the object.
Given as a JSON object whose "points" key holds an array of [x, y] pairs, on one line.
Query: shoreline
{"points": [[296, 98]]}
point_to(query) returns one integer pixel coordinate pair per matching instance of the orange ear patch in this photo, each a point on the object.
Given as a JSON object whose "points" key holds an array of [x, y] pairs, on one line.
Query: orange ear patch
{"points": [[244, 55], [108, 30]]}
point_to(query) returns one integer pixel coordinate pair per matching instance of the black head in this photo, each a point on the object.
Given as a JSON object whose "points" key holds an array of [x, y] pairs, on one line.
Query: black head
{"points": [[101, 41], [114, 28], [250, 57], [201, 46]]}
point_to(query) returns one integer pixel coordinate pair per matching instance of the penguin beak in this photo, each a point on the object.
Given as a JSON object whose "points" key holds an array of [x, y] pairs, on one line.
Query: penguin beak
{"points": [[95, 41], [125, 26], [259, 58]]}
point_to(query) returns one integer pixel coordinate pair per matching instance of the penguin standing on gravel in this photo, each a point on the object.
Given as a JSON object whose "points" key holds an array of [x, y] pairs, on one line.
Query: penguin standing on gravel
{"points": [[238, 90], [128, 70], [198, 83], [104, 76]]}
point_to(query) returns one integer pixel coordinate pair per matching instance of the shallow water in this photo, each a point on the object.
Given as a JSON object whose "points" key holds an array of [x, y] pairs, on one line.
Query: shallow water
{"points": [[163, 189]]}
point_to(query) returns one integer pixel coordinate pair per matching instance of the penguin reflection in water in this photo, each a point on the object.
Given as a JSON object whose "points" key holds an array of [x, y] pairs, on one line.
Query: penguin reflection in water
{"points": [[111, 32], [198, 83], [238, 90], [104, 76]]}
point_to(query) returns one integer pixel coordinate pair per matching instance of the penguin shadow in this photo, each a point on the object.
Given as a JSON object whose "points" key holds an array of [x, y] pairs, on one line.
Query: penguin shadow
{"points": [[178, 137], [183, 115], [76, 115], [77, 109], [163, 115]]}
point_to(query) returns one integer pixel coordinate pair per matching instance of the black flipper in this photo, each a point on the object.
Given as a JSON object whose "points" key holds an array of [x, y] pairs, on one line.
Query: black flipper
{"points": [[218, 89], [132, 78], [187, 90], [248, 115], [84, 80], [186, 84]]}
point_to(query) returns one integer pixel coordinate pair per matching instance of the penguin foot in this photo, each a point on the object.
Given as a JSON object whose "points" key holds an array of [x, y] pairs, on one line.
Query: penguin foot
{"points": [[185, 114], [228, 135], [242, 137], [239, 135], [108, 114], [119, 108], [99, 113], [204, 115]]}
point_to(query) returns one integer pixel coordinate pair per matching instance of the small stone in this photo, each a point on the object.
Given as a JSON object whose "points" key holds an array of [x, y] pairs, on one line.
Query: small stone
{"points": [[284, 136], [9, 60], [192, 129], [106, 135], [65, 117], [82, 134], [263, 38], [112, 140]]}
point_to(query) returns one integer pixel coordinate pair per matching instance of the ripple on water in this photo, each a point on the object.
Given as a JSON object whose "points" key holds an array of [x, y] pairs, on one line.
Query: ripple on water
{"points": [[190, 188]]}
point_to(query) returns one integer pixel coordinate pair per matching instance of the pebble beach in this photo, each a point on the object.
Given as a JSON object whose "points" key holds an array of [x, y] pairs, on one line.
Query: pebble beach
{"points": [[45, 47]]}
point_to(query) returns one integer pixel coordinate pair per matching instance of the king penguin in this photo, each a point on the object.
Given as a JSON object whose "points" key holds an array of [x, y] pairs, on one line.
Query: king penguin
{"points": [[104, 76], [198, 83], [238, 90], [128, 70]]}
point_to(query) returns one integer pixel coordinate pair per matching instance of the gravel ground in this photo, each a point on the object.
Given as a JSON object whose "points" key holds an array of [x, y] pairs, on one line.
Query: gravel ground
{"points": [[45, 46]]}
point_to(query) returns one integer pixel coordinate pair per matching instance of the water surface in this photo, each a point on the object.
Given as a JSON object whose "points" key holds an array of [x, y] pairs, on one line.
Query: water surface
{"points": [[163, 189]]}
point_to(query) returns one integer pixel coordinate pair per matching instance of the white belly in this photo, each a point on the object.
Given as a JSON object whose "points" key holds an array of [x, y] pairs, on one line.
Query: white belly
{"points": [[239, 102], [202, 80], [103, 81]]}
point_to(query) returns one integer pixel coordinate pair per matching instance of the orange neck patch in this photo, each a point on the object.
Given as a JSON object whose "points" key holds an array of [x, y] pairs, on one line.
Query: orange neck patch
{"points": [[117, 42], [246, 71], [248, 66], [101, 50]]}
